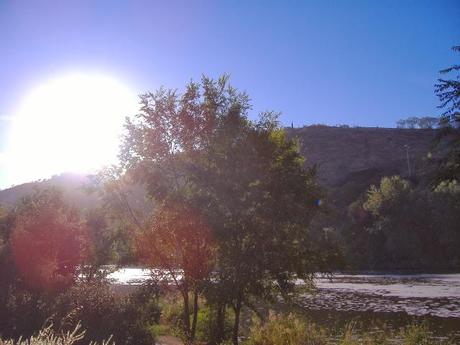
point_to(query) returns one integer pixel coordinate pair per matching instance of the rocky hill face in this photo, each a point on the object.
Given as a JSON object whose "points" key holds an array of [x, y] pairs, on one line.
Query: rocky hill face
{"points": [[344, 156]]}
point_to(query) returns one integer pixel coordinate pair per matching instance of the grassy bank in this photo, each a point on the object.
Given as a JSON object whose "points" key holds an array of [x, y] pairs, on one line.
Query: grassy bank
{"points": [[277, 330]]}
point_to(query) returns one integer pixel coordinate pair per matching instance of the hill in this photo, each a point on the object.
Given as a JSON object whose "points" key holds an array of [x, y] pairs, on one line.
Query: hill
{"points": [[72, 186], [347, 159], [346, 153]]}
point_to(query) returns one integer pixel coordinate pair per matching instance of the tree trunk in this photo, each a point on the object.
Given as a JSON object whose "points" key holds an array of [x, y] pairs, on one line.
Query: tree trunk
{"points": [[236, 324], [195, 313], [186, 317], [220, 323]]}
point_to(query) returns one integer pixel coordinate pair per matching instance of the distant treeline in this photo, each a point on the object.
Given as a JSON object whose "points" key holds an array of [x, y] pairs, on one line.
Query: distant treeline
{"points": [[426, 122], [413, 122]]}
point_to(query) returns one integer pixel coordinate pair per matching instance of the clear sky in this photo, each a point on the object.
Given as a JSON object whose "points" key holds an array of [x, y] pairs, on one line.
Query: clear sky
{"points": [[366, 63]]}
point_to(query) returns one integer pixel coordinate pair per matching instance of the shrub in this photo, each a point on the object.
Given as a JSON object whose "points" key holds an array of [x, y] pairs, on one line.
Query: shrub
{"points": [[351, 336], [22, 314], [206, 325], [413, 334], [172, 315], [172, 318], [102, 313], [46, 336], [419, 334], [286, 330]]}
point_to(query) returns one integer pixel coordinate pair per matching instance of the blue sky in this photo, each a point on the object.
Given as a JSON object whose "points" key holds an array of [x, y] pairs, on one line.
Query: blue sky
{"points": [[366, 63]]}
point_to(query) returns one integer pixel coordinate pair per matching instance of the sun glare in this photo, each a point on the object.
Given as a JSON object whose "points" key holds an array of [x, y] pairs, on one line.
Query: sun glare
{"points": [[69, 124]]}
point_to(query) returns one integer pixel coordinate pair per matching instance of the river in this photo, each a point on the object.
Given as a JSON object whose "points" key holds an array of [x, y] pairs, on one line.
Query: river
{"points": [[392, 298]]}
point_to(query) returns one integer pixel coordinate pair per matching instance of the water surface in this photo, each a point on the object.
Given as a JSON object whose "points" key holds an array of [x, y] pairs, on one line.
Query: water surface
{"points": [[393, 298]]}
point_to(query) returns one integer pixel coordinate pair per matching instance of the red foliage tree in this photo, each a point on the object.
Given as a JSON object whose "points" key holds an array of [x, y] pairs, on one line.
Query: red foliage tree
{"points": [[178, 246], [48, 242]]}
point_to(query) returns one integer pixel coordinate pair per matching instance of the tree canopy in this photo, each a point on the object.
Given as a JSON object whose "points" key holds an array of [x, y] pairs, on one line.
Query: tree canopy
{"points": [[245, 177], [48, 241], [448, 92]]}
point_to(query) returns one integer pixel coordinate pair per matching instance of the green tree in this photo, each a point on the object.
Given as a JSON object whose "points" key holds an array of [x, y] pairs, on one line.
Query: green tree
{"points": [[5, 229], [124, 209], [262, 202], [382, 199], [101, 241], [247, 179], [400, 219], [162, 148], [412, 227], [398, 225], [448, 92], [7, 272]]}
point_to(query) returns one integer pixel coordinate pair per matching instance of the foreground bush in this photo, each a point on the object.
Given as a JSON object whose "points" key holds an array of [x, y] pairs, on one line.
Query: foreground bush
{"points": [[46, 336], [291, 330], [102, 313], [172, 319], [419, 335], [128, 319], [286, 330]]}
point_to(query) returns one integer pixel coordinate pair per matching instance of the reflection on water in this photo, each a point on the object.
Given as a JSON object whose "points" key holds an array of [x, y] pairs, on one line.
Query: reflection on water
{"points": [[129, 276]]}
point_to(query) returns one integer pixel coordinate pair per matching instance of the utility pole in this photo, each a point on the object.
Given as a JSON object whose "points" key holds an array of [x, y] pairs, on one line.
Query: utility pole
{"points": [[407, 157]]}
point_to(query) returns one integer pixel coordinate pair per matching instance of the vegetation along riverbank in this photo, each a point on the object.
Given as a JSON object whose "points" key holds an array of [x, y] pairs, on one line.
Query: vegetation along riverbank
{"points": [[240, 223]]}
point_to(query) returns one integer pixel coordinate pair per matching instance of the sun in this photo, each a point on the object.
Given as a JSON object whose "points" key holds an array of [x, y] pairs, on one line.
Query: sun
{"points": [[69, 124]]}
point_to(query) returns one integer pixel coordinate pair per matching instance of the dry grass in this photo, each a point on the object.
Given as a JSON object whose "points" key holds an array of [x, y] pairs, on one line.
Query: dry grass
{"points": [[46, 336]]}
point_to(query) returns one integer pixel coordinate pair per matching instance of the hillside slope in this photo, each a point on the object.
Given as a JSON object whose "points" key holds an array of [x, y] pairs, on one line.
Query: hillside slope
{"points": [[344, 156], [347, 153], [72, 186]]}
